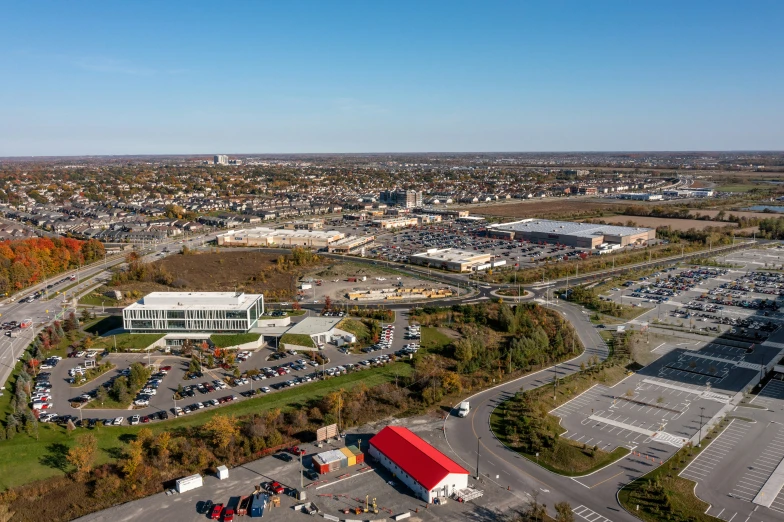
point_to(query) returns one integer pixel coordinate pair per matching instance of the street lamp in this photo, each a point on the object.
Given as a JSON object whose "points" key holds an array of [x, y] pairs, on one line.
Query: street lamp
{"points": [[478, 440], [699, 442]]}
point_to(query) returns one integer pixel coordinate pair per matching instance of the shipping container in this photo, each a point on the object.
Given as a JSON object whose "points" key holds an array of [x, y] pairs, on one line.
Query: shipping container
{"points": [[351, 459], [360, 458]]}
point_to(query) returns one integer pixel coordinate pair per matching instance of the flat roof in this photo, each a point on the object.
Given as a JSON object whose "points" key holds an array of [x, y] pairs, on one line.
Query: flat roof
{"points": [[450, 254], [282, 232], [315, 325], [568, 228], [189, 300]]}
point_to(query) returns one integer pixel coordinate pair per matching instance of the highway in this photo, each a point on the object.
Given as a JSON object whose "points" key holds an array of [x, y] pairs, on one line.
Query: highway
{"points": [[42, 311]]}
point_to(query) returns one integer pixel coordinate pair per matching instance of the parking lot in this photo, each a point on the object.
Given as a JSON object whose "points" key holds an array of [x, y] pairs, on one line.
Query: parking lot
{"points": [[731, 472], [735, 302], [263, 371]]}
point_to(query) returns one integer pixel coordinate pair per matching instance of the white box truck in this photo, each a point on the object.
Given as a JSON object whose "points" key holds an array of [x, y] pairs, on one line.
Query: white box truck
{"points": [[463, 409]]}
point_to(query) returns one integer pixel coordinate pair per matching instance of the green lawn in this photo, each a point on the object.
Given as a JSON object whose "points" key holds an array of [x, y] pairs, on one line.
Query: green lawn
{"points": [[24, 459], [298, 339], [126, 341], [225, 340], [96, 298]]}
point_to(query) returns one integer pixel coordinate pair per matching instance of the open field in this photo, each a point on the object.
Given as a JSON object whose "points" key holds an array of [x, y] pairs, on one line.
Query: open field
{"points": [[739, 213], [741, 187], [675, 224], [224, 271]]}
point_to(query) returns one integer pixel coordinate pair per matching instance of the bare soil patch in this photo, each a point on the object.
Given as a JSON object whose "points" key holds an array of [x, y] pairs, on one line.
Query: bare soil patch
{"points": [[675, 224]]}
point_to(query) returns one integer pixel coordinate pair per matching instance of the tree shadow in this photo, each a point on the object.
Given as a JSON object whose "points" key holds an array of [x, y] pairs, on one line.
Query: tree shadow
{"points": [[56, 456], [115, 453], [127, 437]]}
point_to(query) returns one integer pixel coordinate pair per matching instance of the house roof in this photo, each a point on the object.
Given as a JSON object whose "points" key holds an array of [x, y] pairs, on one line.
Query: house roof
{"points": [[420, 460]]}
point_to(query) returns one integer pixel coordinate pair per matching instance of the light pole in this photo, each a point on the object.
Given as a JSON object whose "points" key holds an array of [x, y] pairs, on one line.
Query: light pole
{"points": [[478, 440], [699, 442]]}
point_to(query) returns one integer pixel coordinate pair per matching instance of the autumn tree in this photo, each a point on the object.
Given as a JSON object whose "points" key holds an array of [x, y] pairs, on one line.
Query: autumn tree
{"points": [[82, 455], [222, 429]]}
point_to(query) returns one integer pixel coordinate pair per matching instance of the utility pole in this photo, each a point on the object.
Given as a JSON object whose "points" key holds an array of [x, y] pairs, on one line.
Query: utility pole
{"points": [[555, 378], [699, 442]]}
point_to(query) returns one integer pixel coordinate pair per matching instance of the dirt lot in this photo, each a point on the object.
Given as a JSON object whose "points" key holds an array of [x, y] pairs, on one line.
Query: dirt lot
{"points": [[248, 271], [675, 224], [335, 285]]}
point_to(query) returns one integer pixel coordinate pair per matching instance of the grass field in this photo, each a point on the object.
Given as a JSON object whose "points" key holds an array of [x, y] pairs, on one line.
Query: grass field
{"points": [[433, 339], [24, 459], [663, 495]]}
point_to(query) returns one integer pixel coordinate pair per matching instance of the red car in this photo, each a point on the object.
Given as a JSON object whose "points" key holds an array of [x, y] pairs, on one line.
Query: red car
{"points": [[228, 515], [276, 488], [296, 450], [216, 511], [145, 419]]}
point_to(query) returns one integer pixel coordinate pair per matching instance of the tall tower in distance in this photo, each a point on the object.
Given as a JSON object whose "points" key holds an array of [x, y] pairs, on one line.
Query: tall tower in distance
{"points": [[221, 159]]}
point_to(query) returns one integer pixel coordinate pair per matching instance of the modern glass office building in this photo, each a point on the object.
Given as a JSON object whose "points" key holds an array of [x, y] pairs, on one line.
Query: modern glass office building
{"points": [[192, 312]]}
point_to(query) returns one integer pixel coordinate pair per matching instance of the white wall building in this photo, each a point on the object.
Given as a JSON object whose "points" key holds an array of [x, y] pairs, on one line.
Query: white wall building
{"points": [[428, 472], [183, 312]]}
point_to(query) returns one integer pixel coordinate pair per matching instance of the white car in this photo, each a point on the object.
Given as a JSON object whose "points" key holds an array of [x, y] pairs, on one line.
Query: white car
{"points": [[141, 402], [46, 366], [47, 417], [118, 421], [133, 420], [149, 391], [266, 389]]}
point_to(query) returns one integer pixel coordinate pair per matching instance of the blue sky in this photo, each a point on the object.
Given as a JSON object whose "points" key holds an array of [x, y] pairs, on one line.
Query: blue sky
{"points": [[273, 77]]}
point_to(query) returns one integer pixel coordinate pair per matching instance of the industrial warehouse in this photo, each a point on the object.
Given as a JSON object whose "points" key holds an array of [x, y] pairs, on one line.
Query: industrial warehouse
{"points": [[582, 235]]}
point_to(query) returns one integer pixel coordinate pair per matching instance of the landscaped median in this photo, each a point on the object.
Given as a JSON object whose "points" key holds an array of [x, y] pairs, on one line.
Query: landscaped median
{"points": [[663, 495], [524, 424], [92, 373]]}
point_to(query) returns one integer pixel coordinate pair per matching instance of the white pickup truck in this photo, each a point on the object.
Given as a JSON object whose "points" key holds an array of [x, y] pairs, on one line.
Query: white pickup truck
{"points": [[463, 409]]}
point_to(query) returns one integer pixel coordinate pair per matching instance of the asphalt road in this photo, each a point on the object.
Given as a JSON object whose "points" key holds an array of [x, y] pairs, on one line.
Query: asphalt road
{"points": [[501, 467]]}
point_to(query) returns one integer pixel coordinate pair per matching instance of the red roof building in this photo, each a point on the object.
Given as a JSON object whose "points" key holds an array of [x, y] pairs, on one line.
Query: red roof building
{"points": [[422, 467]]}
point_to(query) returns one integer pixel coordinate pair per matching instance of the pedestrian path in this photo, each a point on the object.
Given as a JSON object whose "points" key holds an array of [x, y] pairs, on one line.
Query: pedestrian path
{"points": [[623, 425], [667, 438]]}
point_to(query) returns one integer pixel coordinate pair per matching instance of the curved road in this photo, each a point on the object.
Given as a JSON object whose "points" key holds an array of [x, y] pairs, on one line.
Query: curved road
{"points": [[503, 468]]}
